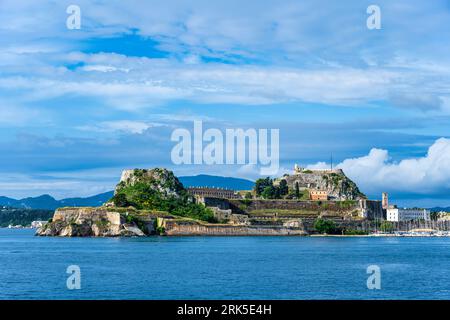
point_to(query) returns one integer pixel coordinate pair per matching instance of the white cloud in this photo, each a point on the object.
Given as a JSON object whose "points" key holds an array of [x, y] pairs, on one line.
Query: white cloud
{"points": [[149, 82], [375, 172], [315, 49], [253, 172], [103, 68], [128, 126]]}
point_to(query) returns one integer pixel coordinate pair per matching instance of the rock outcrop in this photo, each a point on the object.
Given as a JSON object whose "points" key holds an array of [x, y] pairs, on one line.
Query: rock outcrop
{"points": [[337, 185], [89, 222], [159, 180]]}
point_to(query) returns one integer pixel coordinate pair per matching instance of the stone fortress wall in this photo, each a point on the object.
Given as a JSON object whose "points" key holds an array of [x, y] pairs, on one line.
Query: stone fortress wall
{"points": [[369, 209]]}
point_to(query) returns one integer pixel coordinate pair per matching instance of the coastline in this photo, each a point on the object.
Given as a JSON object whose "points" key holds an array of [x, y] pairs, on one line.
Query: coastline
{"points": [[375, 235]]}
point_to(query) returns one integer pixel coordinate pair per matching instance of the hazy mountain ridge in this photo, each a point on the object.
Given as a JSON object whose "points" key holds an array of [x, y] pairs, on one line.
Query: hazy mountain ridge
{"points": [[437, 209]]}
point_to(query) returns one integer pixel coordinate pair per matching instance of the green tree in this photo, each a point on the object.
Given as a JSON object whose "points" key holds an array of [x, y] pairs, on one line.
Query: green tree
{"points": [[283, 187], [142, 196], [248, 195], [386, 226], [325, 226], [297, 190], [120, 200], [269, 192], [434, 215], [261, 184], [265, 188]]}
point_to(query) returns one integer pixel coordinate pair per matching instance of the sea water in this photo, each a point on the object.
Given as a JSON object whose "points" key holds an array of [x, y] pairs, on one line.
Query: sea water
{"points": [[223, 267]]}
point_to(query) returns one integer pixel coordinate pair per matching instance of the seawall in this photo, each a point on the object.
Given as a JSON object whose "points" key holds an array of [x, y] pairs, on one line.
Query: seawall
{"points": [[174, 228]]}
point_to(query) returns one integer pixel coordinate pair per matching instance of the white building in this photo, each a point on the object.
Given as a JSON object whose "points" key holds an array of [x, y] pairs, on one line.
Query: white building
{"points": [[38, 224], [406, 214]]}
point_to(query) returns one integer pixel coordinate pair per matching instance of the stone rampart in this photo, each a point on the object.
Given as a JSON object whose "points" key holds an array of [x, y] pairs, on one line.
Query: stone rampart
{"points": [[177, 228]]}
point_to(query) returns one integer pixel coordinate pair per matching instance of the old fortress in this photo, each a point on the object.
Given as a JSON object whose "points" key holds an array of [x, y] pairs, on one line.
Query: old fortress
{"points": [[314, 181], [302, 204], [326, 190], [320, 184]]}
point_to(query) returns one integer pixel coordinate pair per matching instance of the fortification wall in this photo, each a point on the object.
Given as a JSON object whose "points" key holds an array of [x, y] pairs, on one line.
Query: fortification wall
{"points": [[175, 228], [369, 209], [372, 209], [414, 225], [222, 204], [254, 205]]}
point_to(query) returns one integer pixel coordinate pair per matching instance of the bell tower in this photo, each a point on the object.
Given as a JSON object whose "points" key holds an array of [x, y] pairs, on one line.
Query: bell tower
{"points": [[384, 200]]}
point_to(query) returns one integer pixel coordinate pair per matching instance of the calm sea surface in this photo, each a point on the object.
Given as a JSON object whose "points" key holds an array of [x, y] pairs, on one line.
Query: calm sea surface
{"points": [[222, 267]]}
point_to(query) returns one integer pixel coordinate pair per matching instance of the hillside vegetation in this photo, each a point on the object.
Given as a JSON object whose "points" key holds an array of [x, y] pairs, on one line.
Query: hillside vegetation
{"points": [[158, 189]]}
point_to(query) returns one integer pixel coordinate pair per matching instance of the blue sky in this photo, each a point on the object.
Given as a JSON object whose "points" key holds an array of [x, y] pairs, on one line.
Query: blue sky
{"points": [[78, 106]]}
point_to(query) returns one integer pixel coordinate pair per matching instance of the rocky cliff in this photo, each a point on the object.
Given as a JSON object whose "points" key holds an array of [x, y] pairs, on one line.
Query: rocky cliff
{"points": [[94, 222], [159, 180], [337, 185], [131, 212]]}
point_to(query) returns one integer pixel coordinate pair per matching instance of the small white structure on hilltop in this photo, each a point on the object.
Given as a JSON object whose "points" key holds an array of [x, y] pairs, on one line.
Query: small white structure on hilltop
{"points": [[300, 170], [297, 169], [406, 214]]}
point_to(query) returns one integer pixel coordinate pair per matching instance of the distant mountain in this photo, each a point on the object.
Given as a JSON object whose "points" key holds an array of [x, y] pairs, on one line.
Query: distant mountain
{"points": [[93, 201], [48, 202], [437, 209], [8, 202], [42, 202], [204, 180]]}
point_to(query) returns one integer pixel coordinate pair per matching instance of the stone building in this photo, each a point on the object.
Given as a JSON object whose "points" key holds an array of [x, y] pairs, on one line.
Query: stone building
{"points": [[318, 195], [213, 193]]}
